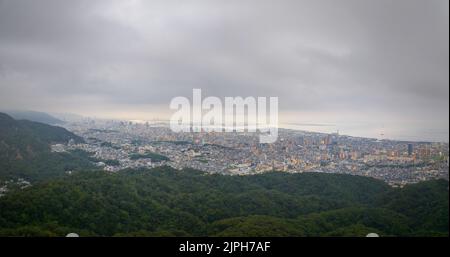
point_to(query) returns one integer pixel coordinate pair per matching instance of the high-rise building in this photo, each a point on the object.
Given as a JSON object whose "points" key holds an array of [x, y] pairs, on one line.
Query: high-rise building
{"points": [[301, 141], [410, 149]]}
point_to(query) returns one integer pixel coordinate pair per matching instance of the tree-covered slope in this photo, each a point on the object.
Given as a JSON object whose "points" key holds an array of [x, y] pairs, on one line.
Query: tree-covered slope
{"points": [[25, 149], [22, 139], [17, 141], [168, 202], [425, 203]]}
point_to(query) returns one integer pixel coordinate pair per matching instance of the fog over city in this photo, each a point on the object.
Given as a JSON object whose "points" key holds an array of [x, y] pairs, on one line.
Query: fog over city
{"points": [[365, 68]]}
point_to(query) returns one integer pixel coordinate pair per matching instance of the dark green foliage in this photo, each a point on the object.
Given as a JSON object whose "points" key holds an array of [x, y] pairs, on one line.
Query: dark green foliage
{"points": [[339, 221], [106, 144], [111, 162], [167, 202], [24, 133], [425, 203], [50, 134], [256, 226], [26, 139], [17, 141], [153, 156], [45, 166], [25, 150]]}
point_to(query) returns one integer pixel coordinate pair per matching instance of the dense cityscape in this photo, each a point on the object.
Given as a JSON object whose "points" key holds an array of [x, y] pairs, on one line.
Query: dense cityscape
{"points": [[118, 145]]}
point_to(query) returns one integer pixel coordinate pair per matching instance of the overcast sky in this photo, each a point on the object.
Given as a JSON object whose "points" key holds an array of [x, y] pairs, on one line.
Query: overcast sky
{"points": [[364, 66]]}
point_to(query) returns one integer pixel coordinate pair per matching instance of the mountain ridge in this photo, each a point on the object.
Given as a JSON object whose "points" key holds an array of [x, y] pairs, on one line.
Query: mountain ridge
{"points": [[22, 139]]}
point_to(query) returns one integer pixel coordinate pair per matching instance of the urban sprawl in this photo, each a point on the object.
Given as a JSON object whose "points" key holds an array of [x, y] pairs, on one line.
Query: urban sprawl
{"points": [[118, 145]]}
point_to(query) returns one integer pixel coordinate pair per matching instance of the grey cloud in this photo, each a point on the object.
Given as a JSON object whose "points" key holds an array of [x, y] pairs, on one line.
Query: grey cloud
{"points": [[325, 56]]}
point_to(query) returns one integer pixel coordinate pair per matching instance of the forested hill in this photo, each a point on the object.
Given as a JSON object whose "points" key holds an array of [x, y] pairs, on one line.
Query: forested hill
{"points": [[167, 202], [25, 150], [22, 139]]}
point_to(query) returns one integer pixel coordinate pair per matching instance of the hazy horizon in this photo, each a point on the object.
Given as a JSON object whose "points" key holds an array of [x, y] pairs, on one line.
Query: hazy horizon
{"points": [[353, 130]]}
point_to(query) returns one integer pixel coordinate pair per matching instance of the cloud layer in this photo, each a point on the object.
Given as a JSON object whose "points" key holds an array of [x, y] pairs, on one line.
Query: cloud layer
{"points": [[383, 62]]}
